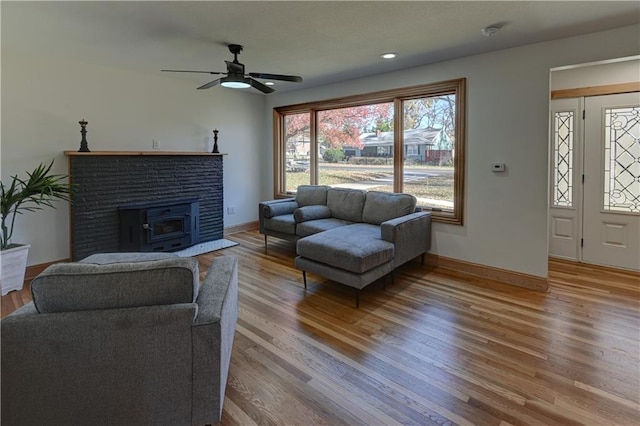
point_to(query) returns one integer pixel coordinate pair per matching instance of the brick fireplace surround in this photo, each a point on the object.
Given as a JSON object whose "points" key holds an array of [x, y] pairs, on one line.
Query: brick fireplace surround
{"points": [[105, 180]]}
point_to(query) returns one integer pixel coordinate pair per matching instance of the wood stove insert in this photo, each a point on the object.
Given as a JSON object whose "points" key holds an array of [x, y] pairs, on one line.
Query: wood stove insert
{"points": [[166, 225]]}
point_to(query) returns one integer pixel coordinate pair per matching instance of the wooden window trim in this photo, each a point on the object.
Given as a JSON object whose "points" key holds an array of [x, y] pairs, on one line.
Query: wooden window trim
{"points": [[396, 96], [608, 89]]}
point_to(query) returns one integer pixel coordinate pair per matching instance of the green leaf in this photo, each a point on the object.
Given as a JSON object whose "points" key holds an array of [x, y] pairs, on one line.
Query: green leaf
{"points": [[38, 191]]}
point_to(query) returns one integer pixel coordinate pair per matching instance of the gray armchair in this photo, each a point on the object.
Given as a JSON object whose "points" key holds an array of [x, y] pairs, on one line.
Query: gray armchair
{"points": [[126, 339]]}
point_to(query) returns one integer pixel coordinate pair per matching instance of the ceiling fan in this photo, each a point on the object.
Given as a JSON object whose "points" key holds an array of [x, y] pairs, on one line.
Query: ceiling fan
{"points": [[236, 78]]}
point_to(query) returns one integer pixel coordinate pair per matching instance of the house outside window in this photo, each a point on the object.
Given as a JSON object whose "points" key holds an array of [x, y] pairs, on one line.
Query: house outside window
{"points": [[408, 140], [412, 151]]}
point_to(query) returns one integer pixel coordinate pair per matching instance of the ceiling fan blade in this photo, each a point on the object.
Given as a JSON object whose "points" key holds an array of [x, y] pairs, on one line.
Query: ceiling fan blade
{"points": [[293, 78], [209, 84], [261, 87], [202, 72]]}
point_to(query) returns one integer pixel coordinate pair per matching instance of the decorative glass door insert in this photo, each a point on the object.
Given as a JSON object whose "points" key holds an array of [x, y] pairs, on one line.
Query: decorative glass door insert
{"points": [[563, 139], [622, 160]]}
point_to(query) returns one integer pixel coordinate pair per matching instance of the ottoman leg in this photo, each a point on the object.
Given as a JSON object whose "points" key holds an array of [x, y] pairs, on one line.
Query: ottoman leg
{"points": [[357, 298], [304, 278]]}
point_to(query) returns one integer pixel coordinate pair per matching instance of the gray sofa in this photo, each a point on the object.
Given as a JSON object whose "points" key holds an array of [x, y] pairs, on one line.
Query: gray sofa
{"points": [[121, 339], [350, 236]]}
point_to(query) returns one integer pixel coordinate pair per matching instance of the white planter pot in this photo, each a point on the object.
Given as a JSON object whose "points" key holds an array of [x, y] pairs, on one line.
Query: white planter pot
{"points": [[13, 265]]}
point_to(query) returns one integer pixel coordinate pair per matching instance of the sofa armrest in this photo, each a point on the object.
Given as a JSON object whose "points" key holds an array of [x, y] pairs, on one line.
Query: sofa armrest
{"points": [[410, 234], [213, 331], [271, 206]]}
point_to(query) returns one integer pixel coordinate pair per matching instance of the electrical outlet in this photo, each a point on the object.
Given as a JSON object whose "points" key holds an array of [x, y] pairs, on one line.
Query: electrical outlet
{"points": [[155, 144], [231, 210]]}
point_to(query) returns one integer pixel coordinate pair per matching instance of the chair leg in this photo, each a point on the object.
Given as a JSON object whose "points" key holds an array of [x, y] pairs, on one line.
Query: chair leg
{"points": [[265, 242], [357, 298], [422, 259], [304, 278]]}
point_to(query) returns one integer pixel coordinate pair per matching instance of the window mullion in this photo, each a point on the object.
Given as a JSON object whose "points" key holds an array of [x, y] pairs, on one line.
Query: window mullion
{"points": [[313, 155], [398, 137], [279, 153]]}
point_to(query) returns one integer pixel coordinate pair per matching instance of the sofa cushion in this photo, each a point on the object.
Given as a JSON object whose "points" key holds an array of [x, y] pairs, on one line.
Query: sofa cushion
{"points": [[284, 223], [382, 206], [306, 213], [314, 226], [346, 204], [308, 195], [277, 209], [88, 286], [356, 248]]}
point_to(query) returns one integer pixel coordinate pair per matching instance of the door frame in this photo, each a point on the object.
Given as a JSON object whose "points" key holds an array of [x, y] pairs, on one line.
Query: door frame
{"points": [[579, 94]]}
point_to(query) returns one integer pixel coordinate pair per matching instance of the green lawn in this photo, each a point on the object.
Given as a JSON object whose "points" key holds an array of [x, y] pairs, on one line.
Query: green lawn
{"points": [[433, 187]]}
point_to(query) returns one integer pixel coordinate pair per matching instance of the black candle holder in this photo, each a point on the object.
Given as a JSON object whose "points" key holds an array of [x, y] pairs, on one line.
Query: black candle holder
{"points": [[215, 142], [84, 146]]}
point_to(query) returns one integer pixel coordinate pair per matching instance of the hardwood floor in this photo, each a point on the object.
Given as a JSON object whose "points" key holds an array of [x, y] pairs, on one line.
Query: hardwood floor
{"points": [[433, 348]]}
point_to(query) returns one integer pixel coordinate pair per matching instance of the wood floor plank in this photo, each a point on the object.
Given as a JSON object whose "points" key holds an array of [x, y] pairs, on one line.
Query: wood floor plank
{"points": [[234, 415], [435, 347]]}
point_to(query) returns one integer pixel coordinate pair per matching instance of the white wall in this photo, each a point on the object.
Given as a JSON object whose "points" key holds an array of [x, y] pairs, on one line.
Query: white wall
{"points": [[586, 75], [506, 214], [43, 99], [507, 121]]}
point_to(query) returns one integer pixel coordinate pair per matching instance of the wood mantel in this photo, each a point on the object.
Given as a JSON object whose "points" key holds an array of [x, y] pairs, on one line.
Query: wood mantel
{"points": [[113, 153]]}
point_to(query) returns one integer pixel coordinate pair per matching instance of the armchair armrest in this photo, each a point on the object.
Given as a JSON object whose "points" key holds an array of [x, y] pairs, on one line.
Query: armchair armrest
{"points": [[212, 332], [410, 234], [220, 286]]}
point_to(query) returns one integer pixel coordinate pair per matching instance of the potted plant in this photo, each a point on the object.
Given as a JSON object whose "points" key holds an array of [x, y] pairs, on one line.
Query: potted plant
{"points": [[38, 191]]}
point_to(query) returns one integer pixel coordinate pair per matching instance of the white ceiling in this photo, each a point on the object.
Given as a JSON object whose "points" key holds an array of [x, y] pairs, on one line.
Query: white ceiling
{"points": [[323, 42]]}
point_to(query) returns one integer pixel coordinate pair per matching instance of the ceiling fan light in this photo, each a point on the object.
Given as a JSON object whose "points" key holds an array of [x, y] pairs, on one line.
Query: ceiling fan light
{"points": [[235, 82]]}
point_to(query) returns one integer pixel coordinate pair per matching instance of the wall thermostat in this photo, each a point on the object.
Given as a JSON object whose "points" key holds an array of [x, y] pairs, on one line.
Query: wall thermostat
{"points": [[497, 167]]}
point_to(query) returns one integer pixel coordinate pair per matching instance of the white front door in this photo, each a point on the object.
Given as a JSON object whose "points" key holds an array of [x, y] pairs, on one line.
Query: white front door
{"points": [[611, 191]]}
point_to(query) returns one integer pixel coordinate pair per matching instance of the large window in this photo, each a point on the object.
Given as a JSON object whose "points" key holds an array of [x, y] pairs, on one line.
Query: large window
{"points": [[345, 157], [297, 148], [403, 140]]}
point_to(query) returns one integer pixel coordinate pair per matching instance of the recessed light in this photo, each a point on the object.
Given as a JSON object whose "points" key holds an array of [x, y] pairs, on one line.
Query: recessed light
{"points": [[269, 83], [389, 55]]}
